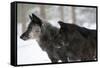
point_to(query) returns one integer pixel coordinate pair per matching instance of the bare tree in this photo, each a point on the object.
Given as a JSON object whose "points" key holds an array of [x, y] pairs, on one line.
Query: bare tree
{"points": [[61, 13], [73, 14], [42, 11], [21, 16]]}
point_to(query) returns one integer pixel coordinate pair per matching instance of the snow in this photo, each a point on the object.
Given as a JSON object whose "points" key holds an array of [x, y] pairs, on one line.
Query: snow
{"points": [[29, 52], [87, 25], [54, 22]]}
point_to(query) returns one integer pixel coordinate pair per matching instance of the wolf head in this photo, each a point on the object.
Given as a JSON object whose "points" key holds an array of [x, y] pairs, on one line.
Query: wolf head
{"points": [[34, 28]]}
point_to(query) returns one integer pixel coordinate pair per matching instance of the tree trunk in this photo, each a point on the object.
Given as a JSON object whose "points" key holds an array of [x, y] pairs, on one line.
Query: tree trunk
{"points": [[23, 18], [61, 13], [42, 12], [73, 15]]}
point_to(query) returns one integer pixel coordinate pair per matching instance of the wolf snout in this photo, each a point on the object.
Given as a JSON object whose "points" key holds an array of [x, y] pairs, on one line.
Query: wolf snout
{"points": [[23, 37]]}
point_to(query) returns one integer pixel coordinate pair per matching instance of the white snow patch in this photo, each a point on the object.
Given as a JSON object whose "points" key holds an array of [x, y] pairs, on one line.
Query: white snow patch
{"points": [[29, 52], [54, 23], [89, 26]]}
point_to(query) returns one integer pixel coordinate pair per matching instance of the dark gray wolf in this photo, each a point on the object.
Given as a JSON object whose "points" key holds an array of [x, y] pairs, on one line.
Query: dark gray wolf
{"points": [[66, 44], [82, 42], [48, 38]]}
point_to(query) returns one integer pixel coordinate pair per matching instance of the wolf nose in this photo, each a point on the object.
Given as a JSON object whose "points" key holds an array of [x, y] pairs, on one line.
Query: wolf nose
{"points": [[24, 37], [21, 37]]}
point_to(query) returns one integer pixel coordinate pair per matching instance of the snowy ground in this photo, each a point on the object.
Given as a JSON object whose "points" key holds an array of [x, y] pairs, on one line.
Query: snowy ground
{"points": [[29, 52]]}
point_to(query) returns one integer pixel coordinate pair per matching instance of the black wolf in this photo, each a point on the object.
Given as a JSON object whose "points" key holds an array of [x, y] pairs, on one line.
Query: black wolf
{"points": [[82, 41], [65, 44]]}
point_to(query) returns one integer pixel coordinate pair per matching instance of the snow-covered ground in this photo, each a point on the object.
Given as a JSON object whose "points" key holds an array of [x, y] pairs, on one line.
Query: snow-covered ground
{"points": [[29, 52]]}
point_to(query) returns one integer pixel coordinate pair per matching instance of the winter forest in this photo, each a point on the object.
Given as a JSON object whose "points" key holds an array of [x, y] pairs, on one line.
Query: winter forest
{"points": [[29, 52]]}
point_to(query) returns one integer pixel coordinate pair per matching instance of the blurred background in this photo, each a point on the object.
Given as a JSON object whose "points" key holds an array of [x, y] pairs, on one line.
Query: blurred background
{"points": [[29, 51]]}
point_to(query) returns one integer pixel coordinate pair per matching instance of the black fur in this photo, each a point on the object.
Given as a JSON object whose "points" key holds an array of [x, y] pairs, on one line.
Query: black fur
{"points": [[82, 41]]}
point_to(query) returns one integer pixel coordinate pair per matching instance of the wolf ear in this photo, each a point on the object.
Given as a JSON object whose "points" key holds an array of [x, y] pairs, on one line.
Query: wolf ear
{"points": [[30, 17], [61, 23], [34, 16], [66, 26], [36, 19]]}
